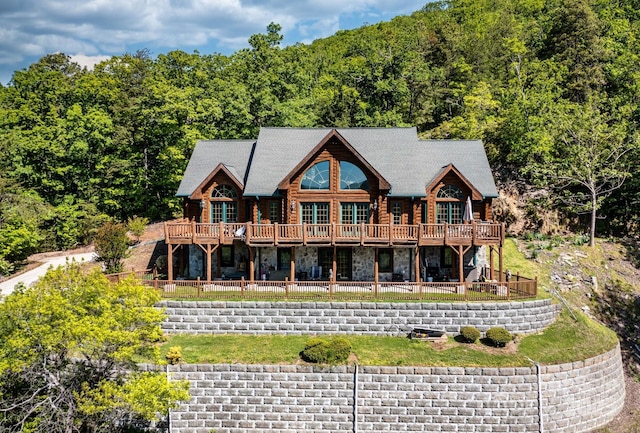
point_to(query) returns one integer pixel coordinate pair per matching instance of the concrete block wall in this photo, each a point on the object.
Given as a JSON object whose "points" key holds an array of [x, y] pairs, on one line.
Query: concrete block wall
{"points": [[584, 395], [576, 398], [365, 318]]}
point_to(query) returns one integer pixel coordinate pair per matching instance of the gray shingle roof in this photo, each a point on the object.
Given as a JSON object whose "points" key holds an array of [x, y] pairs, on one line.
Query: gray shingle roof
{"points": [[407, 163], [234, 154]]}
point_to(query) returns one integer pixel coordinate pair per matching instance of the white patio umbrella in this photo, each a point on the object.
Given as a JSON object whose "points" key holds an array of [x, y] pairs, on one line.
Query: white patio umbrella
{"points": [[468, 210]]}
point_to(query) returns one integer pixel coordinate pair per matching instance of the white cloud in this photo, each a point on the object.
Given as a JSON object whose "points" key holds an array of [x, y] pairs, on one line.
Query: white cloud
{"points": [[30, 29], [88, 61]]}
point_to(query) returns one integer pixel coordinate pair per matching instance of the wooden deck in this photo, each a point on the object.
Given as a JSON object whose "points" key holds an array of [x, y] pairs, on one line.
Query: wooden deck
{"points": [[476, 233]]}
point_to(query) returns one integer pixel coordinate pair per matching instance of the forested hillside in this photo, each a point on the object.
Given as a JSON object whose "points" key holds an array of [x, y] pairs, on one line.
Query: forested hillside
{"points": [[551, 86]]}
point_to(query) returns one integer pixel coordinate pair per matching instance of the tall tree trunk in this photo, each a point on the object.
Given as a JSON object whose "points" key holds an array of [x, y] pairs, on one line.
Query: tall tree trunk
{"points": [[594, 209]]}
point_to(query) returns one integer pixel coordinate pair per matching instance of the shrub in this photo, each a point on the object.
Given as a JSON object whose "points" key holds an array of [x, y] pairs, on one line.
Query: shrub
{"points": [[316, 350], [320, 351], [136, 226], [112, 246], [469, 334], [174, 355], [340, 350], [499, 336]]}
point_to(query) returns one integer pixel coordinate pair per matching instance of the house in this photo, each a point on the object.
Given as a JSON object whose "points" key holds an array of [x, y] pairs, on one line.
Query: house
{"points": [[342, 204]]}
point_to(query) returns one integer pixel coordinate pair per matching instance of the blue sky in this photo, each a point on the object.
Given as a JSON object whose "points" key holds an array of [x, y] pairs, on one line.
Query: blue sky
{"points": [[93, 30]]}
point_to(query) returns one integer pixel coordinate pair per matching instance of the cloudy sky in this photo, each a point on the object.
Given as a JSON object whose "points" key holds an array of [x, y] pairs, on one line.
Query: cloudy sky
{"points": [[92, 30]]}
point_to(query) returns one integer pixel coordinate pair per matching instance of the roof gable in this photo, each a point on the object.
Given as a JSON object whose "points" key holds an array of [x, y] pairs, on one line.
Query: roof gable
{"points": [[230, 172], [475, 194], [235, 155], [284, 184]]}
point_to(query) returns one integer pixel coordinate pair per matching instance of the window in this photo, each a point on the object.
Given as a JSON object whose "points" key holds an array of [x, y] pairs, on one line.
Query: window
{"points": [[314, 213], [224, 206], [449, 205], [316, 177], [450, 191], [354, 213], [352, 177], [425, 213], [226, 256], [396, 212], [225, 211], [446, 258], [385, 260], [449, 212], [284, 258], [274, 212]]}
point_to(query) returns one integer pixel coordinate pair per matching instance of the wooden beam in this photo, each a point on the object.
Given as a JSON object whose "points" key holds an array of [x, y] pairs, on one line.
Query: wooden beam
{"points": [[416, 263], [252, 265], [292, 273]]}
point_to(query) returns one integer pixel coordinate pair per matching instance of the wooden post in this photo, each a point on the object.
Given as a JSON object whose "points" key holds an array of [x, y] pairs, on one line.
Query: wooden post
{"points": [[275, 233], [208, 262], [500, 262], [252, 265], [460, 264], [292, 273], [375, 267], [198, 286], [491, 276], [417, 263], [334, 268], [170, 262]]}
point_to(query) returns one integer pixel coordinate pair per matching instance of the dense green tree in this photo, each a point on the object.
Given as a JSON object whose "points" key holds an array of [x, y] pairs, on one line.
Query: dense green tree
{"points": [[112, 244], [67, 359], [589, 161]]}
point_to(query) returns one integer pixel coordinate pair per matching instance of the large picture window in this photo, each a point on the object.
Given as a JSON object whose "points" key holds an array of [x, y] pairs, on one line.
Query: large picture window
{"points": [[316, 177], [352, 177]]}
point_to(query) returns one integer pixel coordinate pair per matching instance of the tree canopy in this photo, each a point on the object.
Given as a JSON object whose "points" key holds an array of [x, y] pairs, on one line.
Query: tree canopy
{"points": [[113, 142], [67, 359]]}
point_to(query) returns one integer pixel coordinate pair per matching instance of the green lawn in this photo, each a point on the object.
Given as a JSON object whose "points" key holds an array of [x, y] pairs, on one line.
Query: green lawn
{"points": [[564, 341]]}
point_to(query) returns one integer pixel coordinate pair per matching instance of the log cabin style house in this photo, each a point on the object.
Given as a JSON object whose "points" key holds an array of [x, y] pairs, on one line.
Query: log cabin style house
{"points": [[343, 204]]}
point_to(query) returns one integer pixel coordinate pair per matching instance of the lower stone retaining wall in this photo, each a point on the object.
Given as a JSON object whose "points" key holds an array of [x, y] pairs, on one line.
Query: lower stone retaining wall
{"points": [[366, 318], [576, 397]]}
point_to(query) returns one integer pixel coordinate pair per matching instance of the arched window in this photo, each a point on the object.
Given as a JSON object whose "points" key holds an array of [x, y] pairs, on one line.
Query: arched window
{"points": [[223, 191], [449, 205], [224, 205], [316, 177], [352, 177], [450, 191]]}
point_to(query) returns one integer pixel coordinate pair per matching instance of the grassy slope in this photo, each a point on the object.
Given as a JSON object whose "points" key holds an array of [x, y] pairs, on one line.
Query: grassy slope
{"points": [[565, 341]]}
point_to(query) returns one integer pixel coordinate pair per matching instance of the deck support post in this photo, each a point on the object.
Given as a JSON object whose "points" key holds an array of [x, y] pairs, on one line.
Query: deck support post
{"points": [[375, 267], [252, 264], [170, 252], [416, 263], [292, 267]]}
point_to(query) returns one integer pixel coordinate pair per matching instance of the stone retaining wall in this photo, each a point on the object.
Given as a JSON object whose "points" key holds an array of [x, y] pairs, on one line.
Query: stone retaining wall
{"points": [[576, 398], [365, 318]]}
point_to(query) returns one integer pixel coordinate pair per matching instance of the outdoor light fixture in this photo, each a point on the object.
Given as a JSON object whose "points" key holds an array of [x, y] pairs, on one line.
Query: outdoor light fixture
{"points": [[293, 206], [374, 206], [203, 203]]}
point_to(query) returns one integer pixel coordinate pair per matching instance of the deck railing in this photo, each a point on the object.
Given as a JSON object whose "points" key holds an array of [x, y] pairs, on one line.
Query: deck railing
{"points": [[363, 234], [230, 290]]}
